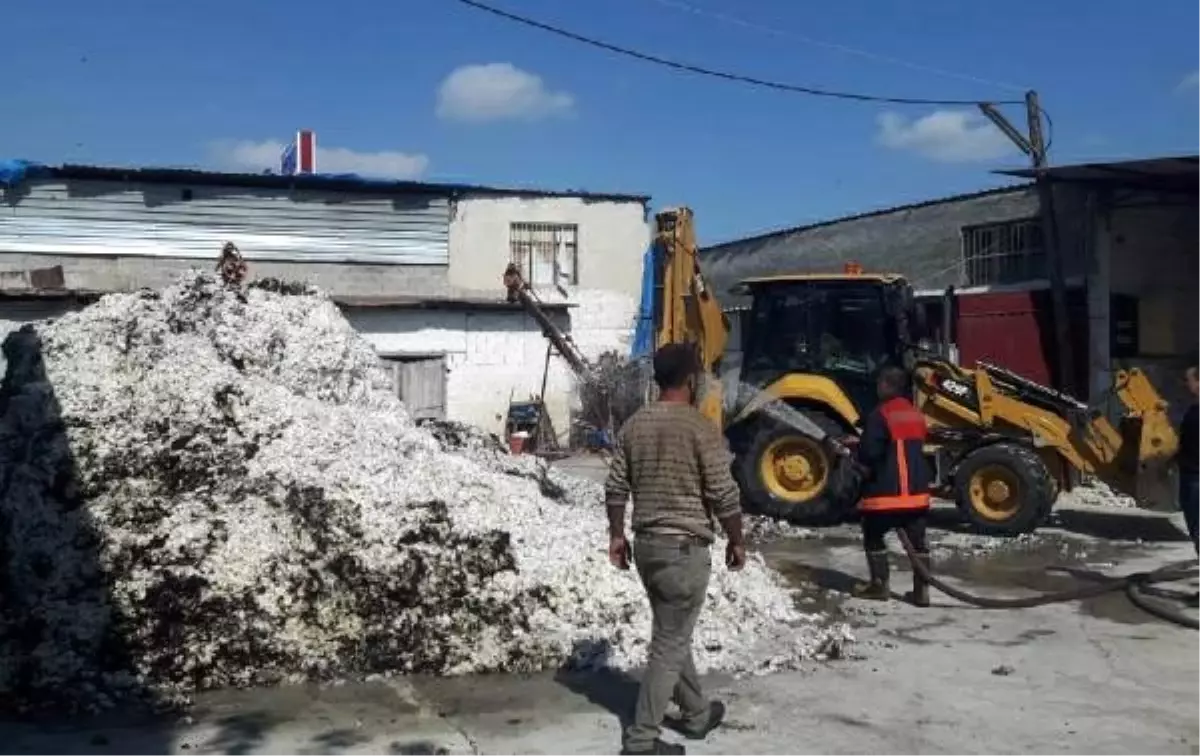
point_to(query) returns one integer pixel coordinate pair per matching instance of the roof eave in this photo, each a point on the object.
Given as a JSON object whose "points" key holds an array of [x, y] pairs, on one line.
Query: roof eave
{"points": [[783, 232], [327, 182]]}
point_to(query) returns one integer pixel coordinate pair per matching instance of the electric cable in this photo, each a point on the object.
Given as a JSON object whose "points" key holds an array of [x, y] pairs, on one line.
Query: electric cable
{"points": [[846, 49], [717, 74]]}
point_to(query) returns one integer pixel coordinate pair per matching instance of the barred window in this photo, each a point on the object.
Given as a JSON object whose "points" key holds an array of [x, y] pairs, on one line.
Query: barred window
{"points": [[546, 253], [1004, 253]]}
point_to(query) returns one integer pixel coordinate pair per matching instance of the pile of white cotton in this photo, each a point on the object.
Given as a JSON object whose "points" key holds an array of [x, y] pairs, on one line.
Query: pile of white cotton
{"points": [[207, 487]]}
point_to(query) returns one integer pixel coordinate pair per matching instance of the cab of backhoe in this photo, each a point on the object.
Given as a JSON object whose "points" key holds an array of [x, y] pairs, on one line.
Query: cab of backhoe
{"points": [[843, 328], [812, 345]]}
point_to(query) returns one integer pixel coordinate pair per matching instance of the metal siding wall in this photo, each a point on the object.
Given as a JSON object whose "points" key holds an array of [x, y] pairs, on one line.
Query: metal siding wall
{"points": [[155, 220]]}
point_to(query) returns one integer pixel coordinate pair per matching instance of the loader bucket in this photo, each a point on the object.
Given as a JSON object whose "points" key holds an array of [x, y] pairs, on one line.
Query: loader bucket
{"points": [[1149, 443], [1158, 489], [1148, 474]]}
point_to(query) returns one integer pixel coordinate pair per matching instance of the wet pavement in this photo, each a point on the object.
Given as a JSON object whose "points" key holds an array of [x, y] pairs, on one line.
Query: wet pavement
{"points": [[821, 567]]}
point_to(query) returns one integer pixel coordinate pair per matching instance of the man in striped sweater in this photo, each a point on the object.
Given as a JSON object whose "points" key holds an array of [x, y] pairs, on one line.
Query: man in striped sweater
{"points": [[674, 464]]}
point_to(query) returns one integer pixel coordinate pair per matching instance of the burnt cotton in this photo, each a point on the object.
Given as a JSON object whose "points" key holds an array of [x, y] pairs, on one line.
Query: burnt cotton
{"points": [[208, 487]]}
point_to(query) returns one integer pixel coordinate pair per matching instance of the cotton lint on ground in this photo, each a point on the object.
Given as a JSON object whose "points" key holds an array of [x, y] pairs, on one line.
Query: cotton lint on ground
{"points": [[208, 487]]}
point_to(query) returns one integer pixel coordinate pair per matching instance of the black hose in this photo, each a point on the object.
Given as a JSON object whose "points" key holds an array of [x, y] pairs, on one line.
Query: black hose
{"points": [[1157, 608], [1129, 583]]}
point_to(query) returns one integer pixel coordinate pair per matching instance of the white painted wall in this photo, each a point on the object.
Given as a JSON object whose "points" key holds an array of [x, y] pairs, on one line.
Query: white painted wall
{"points": [[491, 357], [612, 239], [503, 353]]}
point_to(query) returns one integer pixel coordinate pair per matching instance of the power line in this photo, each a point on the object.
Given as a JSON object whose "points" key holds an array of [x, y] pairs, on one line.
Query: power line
{"points": [[726, 75], [786, 34]]}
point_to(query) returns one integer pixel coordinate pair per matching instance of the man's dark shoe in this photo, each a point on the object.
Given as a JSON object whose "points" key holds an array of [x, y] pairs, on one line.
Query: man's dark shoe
{"points": [[660, 746], [716, 715]]}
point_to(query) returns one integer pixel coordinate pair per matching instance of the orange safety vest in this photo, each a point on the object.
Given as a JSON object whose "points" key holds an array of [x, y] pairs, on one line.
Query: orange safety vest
{"points": [[900, 482]]}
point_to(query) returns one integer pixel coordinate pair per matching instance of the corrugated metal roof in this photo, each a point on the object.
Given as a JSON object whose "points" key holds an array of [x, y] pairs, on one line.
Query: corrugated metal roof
{"points": [[350, 183], [869, 214], [1180, 173]]}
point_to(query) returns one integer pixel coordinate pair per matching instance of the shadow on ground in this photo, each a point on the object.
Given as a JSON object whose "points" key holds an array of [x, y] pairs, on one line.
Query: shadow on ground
{"points": [[51, 556], [245, 735], [614, 691], [240, 734], [416, 748]]}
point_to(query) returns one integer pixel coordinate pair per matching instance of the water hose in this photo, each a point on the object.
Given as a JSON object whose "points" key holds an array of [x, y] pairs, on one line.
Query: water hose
{"points": [[1132, 584]]}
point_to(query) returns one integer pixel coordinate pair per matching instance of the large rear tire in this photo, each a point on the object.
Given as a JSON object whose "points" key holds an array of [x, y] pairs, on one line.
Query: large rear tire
{"points": [[1004, 489], [788, 475]]}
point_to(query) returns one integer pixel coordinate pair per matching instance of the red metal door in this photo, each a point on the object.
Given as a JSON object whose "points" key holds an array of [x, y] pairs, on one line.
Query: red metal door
{"points": [[1015, 331]]}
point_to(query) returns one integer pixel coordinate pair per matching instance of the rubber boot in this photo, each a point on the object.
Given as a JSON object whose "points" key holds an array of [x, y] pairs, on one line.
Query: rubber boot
{"points": [[920, 591], [878, 588]]}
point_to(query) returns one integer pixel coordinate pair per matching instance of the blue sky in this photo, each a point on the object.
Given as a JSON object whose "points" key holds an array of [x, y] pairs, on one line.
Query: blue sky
{"points": [[436, 90]]}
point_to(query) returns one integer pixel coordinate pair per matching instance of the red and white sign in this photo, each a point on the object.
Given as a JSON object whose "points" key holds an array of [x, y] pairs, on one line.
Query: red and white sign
{"points": [[300, 157]]}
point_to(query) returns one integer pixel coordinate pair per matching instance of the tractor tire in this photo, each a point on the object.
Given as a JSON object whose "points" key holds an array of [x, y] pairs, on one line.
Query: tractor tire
{"points": [[806, 491], [1004, 489]]}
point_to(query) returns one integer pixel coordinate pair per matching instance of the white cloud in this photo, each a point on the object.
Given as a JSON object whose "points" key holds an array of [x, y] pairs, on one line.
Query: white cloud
{"points": [[947, 136], [497, 92], [259, 156], [1190, 83]]}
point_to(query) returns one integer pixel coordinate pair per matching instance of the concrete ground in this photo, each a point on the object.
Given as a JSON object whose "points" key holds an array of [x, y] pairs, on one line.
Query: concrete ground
{"points": [[1097, 676]]}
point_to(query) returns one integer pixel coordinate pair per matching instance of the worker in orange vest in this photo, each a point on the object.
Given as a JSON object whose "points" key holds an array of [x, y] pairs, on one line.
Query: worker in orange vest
{"points": [[895, 489]]}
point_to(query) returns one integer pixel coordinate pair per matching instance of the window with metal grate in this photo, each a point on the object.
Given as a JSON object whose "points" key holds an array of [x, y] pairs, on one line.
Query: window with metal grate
{"points": [[1004, 253], [546, 253]]}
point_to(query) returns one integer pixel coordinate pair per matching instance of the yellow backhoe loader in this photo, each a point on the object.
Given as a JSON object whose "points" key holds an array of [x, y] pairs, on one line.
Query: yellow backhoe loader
{"points": [[1003, 447]]}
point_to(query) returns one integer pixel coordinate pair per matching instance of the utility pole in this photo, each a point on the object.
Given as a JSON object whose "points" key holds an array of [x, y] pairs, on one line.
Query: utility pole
{"points": [[1034, 146]]}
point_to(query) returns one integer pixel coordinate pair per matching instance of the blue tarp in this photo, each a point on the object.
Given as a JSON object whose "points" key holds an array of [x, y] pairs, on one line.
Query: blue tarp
{"points": [[643, 334], [13, 172]]}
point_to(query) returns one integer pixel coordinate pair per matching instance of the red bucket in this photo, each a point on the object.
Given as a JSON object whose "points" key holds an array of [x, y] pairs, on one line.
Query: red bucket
{"points": [[516, 443]]}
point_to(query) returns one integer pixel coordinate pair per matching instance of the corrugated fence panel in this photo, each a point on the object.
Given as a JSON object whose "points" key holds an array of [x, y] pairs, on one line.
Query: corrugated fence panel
{"points": [[109, 218]]}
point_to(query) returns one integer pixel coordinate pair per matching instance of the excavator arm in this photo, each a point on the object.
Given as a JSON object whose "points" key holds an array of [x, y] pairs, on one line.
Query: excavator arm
{"points": [[519, 291], [686, 309]]}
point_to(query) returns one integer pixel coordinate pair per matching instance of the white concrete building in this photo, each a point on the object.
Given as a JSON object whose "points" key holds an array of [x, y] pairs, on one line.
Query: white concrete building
{"points": [[416, 267]]}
